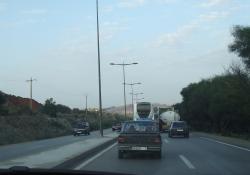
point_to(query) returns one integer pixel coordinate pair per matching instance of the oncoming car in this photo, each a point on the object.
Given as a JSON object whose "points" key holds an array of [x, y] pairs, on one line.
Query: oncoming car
{"points": [[116, 127], [81, 128]]}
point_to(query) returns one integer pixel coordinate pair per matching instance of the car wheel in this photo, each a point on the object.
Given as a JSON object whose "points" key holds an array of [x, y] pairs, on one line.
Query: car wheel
{"points": [[88, 133], [120, 154]]}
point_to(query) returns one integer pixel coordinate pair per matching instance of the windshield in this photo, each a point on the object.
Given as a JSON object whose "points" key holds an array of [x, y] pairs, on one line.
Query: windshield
{"points": [[141, 127], [77, 77]]}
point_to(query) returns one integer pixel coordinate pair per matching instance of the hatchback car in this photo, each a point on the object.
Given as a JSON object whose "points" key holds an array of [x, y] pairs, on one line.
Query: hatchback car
{"points": [[179, 128]]}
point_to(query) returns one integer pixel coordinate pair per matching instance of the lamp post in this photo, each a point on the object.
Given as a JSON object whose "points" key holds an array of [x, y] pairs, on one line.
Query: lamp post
{"points": [[99, 69], [132, 93], [124, 89], [136, 96]]}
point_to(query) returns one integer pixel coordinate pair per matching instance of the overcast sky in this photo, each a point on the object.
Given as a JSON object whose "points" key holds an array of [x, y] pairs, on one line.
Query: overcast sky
{"points": [[175, 42]]}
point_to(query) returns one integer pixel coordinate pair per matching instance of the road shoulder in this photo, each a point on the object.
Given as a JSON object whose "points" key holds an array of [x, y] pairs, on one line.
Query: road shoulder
{"points": [[228, 140]]}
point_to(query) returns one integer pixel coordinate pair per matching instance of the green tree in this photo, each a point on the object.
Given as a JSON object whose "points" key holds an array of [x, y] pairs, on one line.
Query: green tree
{"points": [[2, 98], [241, 44], [49, 107], [63, 109]]}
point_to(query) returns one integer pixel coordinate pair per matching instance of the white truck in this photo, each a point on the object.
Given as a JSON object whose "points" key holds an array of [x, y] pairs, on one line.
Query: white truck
{"points": [[166, 116], [143, 111]]}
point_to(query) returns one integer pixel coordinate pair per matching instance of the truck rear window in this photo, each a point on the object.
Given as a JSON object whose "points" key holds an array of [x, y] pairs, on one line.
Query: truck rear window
{"points": [[141, 127]]}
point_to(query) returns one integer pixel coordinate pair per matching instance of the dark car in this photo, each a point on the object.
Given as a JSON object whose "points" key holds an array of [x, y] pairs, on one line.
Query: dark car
{"points": [[81, 128], [139, 136], [116, 127], [179, 128]]}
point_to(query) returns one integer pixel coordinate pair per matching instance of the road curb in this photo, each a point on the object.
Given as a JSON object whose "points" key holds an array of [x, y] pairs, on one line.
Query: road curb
{"points": [[72, 163]]}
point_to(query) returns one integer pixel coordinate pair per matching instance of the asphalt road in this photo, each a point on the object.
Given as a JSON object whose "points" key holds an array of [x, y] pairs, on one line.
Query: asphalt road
{"points": [[196, 155], [8, 152]]}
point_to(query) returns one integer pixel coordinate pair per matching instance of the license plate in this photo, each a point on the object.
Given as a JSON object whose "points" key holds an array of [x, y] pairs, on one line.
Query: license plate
{"points": [[179, 129], [139, 148]]}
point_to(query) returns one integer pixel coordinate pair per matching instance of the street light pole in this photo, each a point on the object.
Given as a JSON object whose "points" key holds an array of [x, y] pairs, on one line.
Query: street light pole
{"points": [[124, 88], [99, 69], [136, 96], [86, 107], [132, 93]]}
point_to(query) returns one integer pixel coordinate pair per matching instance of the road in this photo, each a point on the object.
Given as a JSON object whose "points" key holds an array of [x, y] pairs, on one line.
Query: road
{"points": [[29, 148], [196, 155]]}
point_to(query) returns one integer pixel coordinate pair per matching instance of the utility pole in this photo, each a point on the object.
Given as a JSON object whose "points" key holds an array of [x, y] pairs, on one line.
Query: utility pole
{"points": [[86, 108], [31, 81], [99, 69]]}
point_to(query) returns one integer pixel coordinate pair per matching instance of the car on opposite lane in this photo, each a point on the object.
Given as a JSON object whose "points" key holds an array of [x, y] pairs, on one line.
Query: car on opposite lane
{"points": [[139, 136], [179, 128], [81, 128], [116, 127]]}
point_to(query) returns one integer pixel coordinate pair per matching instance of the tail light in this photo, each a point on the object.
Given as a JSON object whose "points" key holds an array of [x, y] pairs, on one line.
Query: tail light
{"points": [[121, 139], [157, 140]]}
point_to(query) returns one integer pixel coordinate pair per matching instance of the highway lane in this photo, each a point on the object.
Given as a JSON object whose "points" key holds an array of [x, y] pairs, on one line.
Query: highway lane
{"points": [[195, 155], [28, 148]]}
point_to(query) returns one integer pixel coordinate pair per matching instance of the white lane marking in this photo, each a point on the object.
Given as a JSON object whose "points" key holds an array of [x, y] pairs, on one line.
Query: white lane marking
{"points": [[223, 143], [166, 140], [94, 157], [187, 162]]}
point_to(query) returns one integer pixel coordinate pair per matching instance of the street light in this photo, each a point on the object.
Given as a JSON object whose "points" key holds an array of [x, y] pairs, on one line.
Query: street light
{"points": [[138, 99], [136, 95], [99, 69], [132, 93], [124, 89]]}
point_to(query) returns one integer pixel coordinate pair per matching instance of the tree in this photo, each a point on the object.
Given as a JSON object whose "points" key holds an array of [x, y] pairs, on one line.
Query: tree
{"points": [[50, 107], [3, 111], [2, 98], [241, 44], [63, 109]]}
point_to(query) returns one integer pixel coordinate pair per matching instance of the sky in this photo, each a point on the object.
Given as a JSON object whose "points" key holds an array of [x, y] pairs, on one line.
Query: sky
{"points": [[175, 42]]}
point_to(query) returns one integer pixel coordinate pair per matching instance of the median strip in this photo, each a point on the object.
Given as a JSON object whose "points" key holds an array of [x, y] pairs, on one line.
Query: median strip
{"points": [[187, 162]]}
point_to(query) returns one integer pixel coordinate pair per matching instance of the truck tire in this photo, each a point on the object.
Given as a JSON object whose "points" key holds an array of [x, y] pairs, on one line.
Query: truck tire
{"points": [[120, 154]]}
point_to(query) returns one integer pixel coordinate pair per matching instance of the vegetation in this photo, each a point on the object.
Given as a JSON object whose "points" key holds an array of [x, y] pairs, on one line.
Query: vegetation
{"points": [[52, 120], [222, 103]]}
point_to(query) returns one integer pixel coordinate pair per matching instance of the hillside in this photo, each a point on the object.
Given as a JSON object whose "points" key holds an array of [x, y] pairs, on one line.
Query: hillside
{"points": [[12, 101]]}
